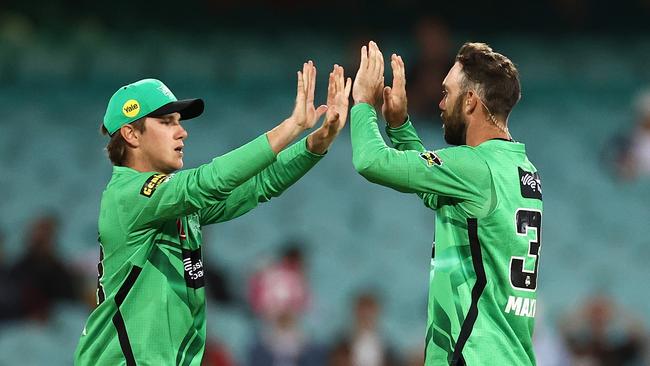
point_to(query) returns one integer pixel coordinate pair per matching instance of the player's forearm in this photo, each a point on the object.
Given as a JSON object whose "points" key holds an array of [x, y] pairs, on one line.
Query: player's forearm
{"points": [[230, 170], [371, 157], [283, 135], [291, 165], [405, 137]]}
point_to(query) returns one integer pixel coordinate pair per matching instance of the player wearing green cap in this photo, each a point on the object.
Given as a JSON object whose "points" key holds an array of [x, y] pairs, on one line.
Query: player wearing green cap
{"points": [[151, 296], [486, 194]]}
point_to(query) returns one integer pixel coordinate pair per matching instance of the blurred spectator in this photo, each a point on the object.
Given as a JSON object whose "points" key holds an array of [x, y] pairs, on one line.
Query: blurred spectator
{"points": [[428, 69], [216, 354], [9, 302], [40, 275], [549, 346], [633, 157], [280, 286], [279, 295], [364, 344], [217, 284], [415, 356], [602, 334]]}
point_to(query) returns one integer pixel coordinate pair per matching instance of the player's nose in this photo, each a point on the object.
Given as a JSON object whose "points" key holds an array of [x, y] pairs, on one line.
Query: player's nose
{"points": [[182, 133]]}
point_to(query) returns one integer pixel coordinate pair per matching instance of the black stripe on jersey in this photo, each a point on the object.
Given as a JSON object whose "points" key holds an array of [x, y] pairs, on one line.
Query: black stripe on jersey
{"points": [[477, 290], [193, 350], [181, 349], [118, 320]]}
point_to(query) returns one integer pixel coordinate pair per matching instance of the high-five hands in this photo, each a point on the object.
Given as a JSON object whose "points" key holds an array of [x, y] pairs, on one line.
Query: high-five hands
{"points": [[395, 102], [305, 114], [369, 82], [369, 85], [338, 95]]}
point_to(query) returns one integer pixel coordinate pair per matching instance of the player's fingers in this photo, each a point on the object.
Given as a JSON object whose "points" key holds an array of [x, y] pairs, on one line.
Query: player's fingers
{"points": [[372, 57], [339, 79], [364, 58], [348, 87], [386, 93], [331, 88], [380, 60], [300, 90], [401, 71], [305, 76], [312, 83], [398, 74]]}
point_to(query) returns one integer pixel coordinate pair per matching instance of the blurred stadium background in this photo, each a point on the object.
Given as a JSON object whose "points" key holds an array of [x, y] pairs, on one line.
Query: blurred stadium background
{"points": [[363, 251]]}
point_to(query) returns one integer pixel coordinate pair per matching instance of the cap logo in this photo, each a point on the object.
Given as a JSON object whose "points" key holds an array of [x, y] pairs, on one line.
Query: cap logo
{"points": [[131, 108], [166, 92]]}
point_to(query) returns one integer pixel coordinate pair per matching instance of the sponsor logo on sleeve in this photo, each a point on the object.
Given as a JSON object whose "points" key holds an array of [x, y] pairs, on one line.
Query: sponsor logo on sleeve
{"points": [[193, 267], [530, 184], [152, 183], [431, 158]]}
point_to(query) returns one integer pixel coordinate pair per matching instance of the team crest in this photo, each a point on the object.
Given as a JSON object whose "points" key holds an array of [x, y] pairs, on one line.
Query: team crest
{"points": [[431, 158]]}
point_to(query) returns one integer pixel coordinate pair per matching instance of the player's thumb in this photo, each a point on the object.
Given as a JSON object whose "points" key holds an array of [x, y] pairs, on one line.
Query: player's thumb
{"points": [[320, 111], [387, 91]]}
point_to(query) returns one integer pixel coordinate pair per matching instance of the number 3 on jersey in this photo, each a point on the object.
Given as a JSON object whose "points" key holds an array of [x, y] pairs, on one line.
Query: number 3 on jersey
{"points": [[520, 278]]}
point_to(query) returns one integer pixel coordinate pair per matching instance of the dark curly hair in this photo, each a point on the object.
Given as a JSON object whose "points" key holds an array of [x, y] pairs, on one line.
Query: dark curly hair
{"points": [[493, 75]]}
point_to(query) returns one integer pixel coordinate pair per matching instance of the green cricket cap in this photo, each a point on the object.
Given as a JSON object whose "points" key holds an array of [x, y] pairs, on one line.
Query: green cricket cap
{"points": [[147, 97]]}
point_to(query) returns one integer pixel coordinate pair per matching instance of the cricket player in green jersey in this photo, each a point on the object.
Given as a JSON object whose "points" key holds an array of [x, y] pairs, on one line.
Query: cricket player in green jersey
{"points": [[151, 295], [487, 197]]}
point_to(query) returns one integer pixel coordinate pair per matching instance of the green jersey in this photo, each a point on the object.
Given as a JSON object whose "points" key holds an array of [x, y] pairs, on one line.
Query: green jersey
{"points": [[488, 203], [151, 295]]}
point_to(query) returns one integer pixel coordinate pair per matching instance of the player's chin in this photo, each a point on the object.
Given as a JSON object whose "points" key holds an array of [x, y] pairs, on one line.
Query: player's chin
{"points": [[176, 164]]}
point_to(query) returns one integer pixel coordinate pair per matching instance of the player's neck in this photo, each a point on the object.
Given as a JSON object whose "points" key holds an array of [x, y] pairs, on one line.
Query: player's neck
{"points": [[136, 162], [478, 133]]}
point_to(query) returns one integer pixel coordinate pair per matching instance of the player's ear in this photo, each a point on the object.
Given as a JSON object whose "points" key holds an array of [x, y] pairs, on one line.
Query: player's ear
{"points": [[130, 135], [471, 101]]}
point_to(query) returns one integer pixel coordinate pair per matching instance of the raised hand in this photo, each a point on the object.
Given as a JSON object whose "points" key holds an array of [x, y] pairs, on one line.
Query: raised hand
{"points": [[304, 113], [394, 108], [338, 96], [369, 82]]}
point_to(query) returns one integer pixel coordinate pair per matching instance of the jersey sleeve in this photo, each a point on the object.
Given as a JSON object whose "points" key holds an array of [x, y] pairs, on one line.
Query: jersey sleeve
{"points": [[291, 165], [405, 137], [458, 173], [152, 198]]}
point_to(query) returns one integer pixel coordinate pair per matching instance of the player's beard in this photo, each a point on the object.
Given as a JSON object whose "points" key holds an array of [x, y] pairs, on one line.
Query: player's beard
{"points": [[454, 124]]}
